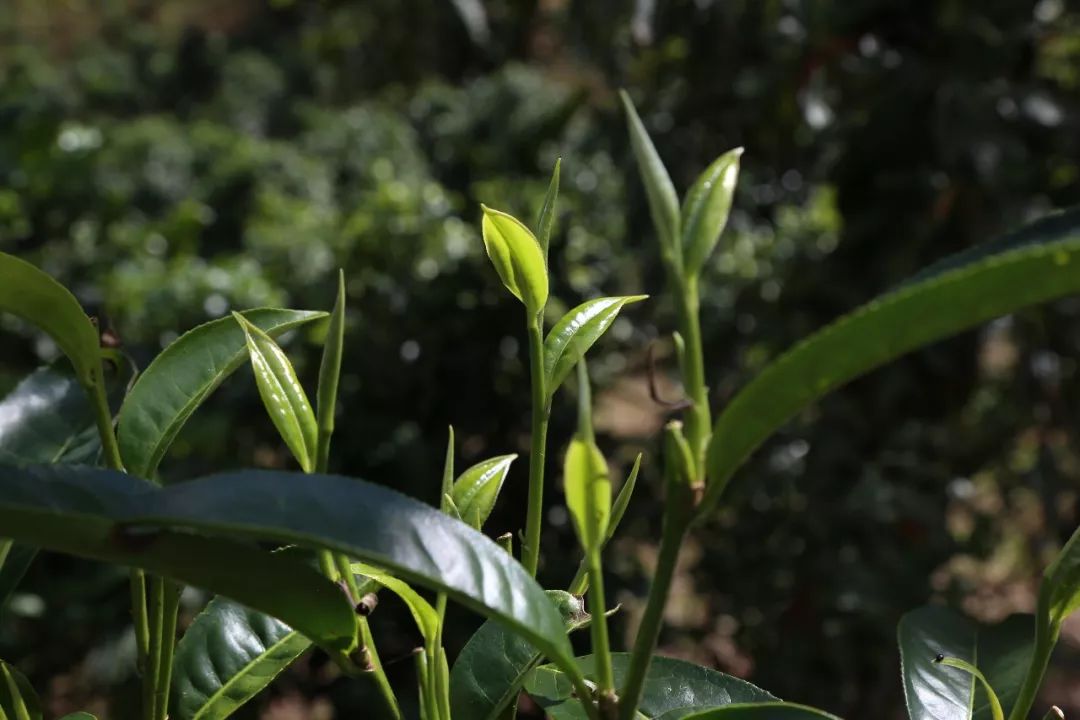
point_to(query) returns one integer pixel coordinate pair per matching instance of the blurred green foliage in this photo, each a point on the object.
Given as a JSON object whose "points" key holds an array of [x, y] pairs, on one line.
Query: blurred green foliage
{"points": [[171, 161]]}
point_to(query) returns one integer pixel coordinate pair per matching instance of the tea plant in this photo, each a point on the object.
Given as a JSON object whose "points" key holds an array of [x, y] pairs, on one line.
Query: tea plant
{"points": [[297, 559]]}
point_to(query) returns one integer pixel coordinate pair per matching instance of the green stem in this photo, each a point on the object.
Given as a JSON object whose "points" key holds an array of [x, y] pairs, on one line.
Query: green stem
{"points": [[378, 672], [1046, 636], [156, 596], [698, 416], [111, 451], [601, 645], [651, 621], [541, 409], [166, 647]]}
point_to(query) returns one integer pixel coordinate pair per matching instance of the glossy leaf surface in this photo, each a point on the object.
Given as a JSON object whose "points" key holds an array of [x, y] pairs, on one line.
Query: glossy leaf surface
{"points": [[227, 656], [1040, 263], [282, 394], [406, 537], [29, 293], [706, 209], [752, 711], [518, 258], [588, 493], [475, 491], [663, 201], [47, 418], [575, 333], [491, 668], [936, 692], [670, 685], [85, 511], [18, 701], [179, 379]]}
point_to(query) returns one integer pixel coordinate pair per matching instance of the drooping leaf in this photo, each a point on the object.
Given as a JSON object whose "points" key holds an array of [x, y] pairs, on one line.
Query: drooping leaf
{"points": [[518, 258], [588, 493], [575, 333], [282, 394], [670, 685], [546, 220], [29, 293], [88, 512], [408, 538], [18, 701], [706, 208], [937, 692], [182, 377], [916, 314], [228, 655], [751, 711], [663, 201], [491, 668], [475, 491]]}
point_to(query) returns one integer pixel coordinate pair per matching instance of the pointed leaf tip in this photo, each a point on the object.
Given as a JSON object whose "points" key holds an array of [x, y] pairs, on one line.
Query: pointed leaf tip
{"points": [[517, 256]]}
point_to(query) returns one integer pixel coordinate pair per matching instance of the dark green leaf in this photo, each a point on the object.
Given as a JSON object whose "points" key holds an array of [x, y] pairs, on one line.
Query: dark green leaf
{"points": [[475, 491], [546, 221], [16, 560], [182, 377], [18, 701], [917, 314], [663, 201], [752, 711], [491, 668], [937, 692], [76, 510], [86, 512], [1061, 582], [670, 685], [227, 656], [282, 394], [47, 418], [518, 258], [706, 209], [79, 716], [575, 333], [34, 296]]}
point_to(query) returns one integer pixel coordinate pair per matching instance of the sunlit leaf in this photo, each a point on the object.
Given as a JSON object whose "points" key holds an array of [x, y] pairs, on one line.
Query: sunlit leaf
{"points": [[518, 258], [576, 332]]}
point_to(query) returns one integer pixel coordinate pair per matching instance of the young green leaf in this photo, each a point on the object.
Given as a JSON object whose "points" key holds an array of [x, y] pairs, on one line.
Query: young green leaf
{"points": [[575, 333], [995, 705], [588, 493], [580, 584], [329, 374], [518, 258], [1061, 582], [446, 500], [706, 209], [1038, 263], [490, 670], [670, 685], [284, 397], [29, 293], [934, 692], [18, 701], [228, 655], [663, 201], [177, 382], [86, 512], [546, 221], [475, 491], [427, 621]]}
